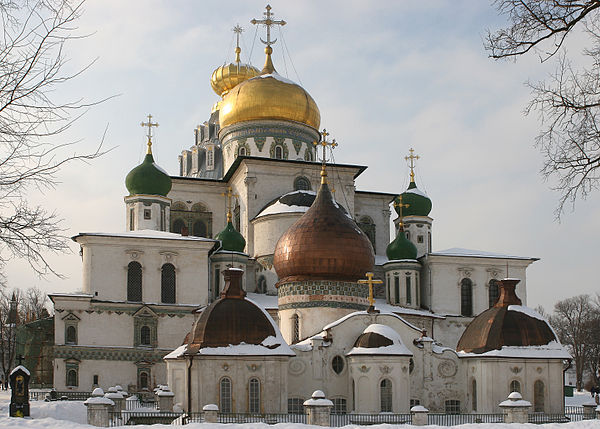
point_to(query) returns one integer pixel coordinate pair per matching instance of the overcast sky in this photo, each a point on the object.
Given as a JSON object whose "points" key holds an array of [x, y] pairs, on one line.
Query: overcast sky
{"points": [[386, 76]]}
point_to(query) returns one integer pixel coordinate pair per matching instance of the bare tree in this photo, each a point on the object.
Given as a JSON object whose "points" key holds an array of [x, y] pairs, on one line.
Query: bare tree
{"points": [[35, 34], [568, 102], [9, 320], [574, 320]]}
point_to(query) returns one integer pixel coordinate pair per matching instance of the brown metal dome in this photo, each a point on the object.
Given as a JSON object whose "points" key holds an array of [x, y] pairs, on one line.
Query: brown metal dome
{"points": [[231, 319], [500, 326], [324, 244]]}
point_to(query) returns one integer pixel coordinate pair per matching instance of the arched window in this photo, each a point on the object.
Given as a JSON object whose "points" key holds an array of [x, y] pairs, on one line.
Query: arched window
{"points": [[72, 377], [144, 379], [301, 184], [134, 282], [295, 328], [71, 337], [254, 395], [466, 297], [493, 293], [538, 396], [474, 395], [367, 226], [167, 284], [145, 336], [515, 386], [337, 364], [199, 229], [308, 156], [242, 151], [237, 216], [225, 395], [385, 395], [278, 152], [178, 226], [261, 285]]}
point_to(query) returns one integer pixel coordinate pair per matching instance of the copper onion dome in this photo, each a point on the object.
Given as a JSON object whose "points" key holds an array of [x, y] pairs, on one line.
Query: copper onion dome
{"points": [[324, 244], [502, 326], [231, 319]]}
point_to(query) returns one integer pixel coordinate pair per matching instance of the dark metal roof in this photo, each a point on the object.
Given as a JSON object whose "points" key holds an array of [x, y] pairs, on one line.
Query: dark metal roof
{"points": [[372, 340]]}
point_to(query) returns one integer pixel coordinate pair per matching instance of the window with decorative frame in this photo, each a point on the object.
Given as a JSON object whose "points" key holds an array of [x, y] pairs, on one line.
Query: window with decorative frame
{"points": [[278, 152], [134, 281], [72, 372], [295, 405], [71, 334], [167, 284], [515, 386], [385, 396], [145, 337], [337, 364], [225, 398], [301, 183], [466, 297], [254, 395]]}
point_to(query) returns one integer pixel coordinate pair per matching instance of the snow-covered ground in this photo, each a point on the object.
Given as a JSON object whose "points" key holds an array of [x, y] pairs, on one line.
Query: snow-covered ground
{"points": [[578, 398], [72, 415]]}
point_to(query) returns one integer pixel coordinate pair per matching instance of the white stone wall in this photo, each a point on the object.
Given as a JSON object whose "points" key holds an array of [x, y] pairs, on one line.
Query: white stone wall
{"points": [[399, 272], [377, 207], [419, 231], [135, 210], [311, 319]]}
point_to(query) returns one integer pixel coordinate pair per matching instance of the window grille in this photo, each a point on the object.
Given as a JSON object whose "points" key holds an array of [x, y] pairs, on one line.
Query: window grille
{"points": [[515, 386], [337, 364], [339, 406], [145, 336], [452, 406], [493, 292], [72, 377], [71, 335], [134, 282], [295, 405], [199, 229], [466, 297], [301, 184], [225, 395], [167, 284], [295, 328], [385, 395], [254, 396]]}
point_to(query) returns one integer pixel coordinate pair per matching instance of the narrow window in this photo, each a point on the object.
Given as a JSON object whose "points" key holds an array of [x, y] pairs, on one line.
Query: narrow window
{"points": [[308, 155], [167, 284], [217, 282], [261, 285], [466, 297], [493, 292], [225, 395], [339, 406], [515, 386], [134, 282], [144, 378], [242, 151], [414, 402], [301, 184], [145, 336], [408, 291], [163, 219], [254, 395], [337, 364], [353, 395], [147, 214], [131, 219], [71, 335], [419, 238], [418, 290], [474, 395], [178, 226], [95, 380], [278, 152], [295, 328], [385, 396], [199, 229], [538, 396], [72, 378], [397, 289]]}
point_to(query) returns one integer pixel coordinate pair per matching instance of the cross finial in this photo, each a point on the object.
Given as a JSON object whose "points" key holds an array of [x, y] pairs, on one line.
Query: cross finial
{"points": [[411, 158], [370, 281], [238, 32], [324, 143], [149, 124], [229, 195], [20, 359], [398, 204], [268, 22]]}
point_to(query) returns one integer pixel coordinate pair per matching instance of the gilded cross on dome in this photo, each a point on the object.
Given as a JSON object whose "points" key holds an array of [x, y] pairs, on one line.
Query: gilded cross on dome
{"points": [[398, 204], [370, 281], [411, 158], [229, 195], [268, 22], [149, 124], [324, 143], [238, 32]]}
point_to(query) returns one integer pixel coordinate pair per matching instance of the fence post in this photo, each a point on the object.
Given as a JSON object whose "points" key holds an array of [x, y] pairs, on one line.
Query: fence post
{"points": [[97, 408], [115, 396], [211, 413], [598, 412], [516, 408], [589, 409], [318, 409], [419, 415], [165, 399]]}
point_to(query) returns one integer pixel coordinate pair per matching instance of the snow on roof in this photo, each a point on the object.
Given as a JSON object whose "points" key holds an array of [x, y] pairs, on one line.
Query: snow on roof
{"points": [[458, 251], [279, 207], [380, 259], [145, 233], [159, 168], [358, 313], [528, 311], [396, 348], [22, 368], [382, 305], [552, 350], [276, 76], [263, 300], [416, 191]]}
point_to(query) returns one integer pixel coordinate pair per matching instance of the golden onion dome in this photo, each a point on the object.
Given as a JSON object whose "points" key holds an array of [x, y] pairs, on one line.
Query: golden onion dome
{"points": [[269, 96], [226, 77]]}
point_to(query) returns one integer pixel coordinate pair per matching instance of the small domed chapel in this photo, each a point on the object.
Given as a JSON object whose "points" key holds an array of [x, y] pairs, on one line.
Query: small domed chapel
{"points": [[260, 274]]}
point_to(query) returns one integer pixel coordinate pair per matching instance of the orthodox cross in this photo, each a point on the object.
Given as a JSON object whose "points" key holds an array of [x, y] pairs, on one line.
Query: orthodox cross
{"points": [[149, 124], [20, 359], [411, 158], [238, 32], [324, 143], [268, 22], [398, 204], [370, 281], [229, 195]]}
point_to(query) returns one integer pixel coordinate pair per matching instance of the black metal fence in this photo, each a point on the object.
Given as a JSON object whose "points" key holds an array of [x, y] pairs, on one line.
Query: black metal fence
{"points": [[40, 395], [127, 418], [460, 419], [337, 420]]}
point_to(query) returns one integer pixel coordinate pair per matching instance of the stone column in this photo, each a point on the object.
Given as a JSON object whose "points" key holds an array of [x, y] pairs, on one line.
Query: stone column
{"points": [[98, 408], [165, 399], [318, 409], [589, 409], [117, 398], [211, 413], [419, 415], [516, 408]]}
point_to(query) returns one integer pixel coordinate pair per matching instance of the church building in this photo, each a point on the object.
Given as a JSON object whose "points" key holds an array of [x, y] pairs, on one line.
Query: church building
{"points": [[260, 273]]}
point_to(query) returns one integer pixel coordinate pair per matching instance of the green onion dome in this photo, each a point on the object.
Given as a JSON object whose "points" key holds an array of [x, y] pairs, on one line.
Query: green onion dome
{"points": [[148, 179], [401, 248], [231, 239], [418, 202]]}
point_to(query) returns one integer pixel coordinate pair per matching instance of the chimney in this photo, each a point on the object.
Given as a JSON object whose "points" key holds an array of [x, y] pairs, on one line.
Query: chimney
{"points": [[233, 284]]}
